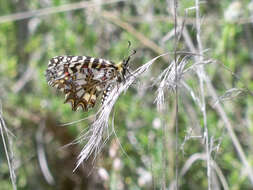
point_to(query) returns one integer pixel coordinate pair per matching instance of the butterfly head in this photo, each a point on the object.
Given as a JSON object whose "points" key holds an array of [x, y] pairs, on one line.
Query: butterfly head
{"points": [[123, 67]]}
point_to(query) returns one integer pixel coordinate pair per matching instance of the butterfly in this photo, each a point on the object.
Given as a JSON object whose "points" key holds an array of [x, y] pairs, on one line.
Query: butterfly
{"points": [[83, 78]]}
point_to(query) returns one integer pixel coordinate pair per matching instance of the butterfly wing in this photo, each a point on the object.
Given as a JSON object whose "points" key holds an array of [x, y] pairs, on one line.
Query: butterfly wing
{"points": [[81, 78]]}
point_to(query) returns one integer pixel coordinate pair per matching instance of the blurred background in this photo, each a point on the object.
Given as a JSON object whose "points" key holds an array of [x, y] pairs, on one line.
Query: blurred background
{"points": [[202, 138]]}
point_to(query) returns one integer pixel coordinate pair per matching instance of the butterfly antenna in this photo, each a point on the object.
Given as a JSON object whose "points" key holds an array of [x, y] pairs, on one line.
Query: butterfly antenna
{"points": [[128, 48], [134, 52], [129, 45], [128, 58]]}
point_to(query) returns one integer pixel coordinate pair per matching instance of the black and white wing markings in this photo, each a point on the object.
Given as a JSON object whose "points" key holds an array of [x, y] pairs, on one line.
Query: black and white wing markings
{"points": [[81, 78], [84, 78]]}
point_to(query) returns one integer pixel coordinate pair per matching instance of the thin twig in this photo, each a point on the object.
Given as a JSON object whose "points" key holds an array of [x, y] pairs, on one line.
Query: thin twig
{"points": [[200, 73], [222, 114], [129, 28], [237, 77], [53, 10], [42, 155], [176, 78], [231, 132], [8, 149], [196, 157]]}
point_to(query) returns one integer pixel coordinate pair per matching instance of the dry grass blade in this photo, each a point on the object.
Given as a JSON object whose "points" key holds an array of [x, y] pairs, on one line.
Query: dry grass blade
{"points": [[52, 10], [198, 157], [7, 147], [94, 136], [42, 158], [228, 95], [167, 80]]}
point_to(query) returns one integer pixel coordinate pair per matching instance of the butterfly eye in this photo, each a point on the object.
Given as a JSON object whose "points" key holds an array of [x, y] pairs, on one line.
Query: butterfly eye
{"points": [[119, 79]]}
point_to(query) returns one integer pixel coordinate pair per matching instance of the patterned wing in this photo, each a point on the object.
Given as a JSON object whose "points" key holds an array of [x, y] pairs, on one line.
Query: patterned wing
{"points": [[81, 78]]}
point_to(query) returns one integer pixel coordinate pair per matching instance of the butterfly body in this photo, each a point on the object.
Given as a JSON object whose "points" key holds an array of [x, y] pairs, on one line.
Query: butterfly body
{"points": [[84, 78]]}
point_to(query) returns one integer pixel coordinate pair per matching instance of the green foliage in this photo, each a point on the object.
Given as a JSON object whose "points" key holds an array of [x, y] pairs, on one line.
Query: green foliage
{"points": [[147, 137]]}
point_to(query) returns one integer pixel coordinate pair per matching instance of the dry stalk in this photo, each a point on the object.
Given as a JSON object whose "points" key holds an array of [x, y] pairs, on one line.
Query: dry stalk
{"points": [[94, 135], [53, 10], [8, 148], [201, 76]]}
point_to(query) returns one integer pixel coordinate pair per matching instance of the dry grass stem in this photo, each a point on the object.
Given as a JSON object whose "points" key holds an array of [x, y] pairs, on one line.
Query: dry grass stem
{"points": [[53, 10], [229, 95], [230, 130], [129, 28], [194, 158], [94, 135], [167, 80], [201, 76], [7, 143], [42, 158]]}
